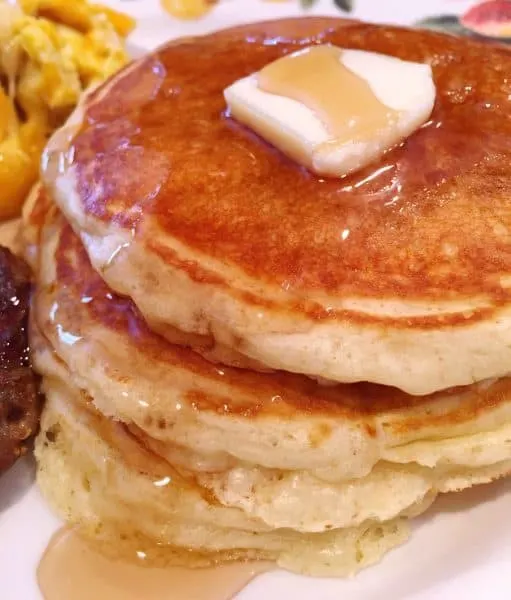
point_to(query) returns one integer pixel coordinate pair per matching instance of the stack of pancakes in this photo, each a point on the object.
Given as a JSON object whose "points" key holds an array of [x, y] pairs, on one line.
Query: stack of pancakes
{"points": [[242, 360]]}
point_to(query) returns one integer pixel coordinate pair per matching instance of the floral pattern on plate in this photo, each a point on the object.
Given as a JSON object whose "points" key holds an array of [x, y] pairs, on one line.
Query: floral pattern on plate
{"points": [[488, 20]]}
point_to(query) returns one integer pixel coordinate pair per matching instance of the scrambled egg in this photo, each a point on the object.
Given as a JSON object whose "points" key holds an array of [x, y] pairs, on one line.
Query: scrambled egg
{"points": [[50, 52]]}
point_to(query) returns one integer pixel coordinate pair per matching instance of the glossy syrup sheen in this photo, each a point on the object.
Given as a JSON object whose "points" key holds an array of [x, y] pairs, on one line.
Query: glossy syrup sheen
{"points": [[72, 569], [317, 78], [430, 219]]}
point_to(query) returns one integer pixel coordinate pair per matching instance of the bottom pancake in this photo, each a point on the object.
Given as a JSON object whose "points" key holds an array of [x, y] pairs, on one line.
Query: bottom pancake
{"points": [[89, 469]]}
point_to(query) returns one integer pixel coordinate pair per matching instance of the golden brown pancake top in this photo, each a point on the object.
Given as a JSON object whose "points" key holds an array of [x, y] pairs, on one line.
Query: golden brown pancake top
{"points": [[430, 220]]}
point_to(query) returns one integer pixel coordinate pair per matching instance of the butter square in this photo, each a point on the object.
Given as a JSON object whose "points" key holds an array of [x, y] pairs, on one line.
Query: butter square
{"points": [[404, 89]]}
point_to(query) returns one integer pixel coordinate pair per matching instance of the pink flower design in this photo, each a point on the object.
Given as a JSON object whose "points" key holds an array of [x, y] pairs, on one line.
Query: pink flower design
{"points": [[491, 18]]}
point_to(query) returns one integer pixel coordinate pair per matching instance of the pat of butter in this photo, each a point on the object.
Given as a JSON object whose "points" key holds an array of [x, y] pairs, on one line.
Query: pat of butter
{"points": [[334, 110]]}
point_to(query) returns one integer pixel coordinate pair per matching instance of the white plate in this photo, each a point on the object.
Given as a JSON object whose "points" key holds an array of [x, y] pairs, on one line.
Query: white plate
{"points": [[460, 550]]}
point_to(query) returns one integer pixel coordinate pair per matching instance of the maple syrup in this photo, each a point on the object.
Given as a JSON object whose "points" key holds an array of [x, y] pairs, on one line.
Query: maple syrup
{"points": [[72, 569]]}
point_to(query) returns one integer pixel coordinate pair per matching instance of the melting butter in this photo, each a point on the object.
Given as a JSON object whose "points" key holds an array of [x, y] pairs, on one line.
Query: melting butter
{"points": [[343, 101], [334, 110]]}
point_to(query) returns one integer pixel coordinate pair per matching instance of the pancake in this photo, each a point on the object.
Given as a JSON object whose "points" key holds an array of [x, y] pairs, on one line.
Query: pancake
{"points": [[396, 275], [101, 490], [276, 452]]}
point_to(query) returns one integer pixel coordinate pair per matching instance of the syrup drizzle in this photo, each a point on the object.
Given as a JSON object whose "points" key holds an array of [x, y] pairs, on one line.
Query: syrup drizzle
{"points": [[71, 569]]}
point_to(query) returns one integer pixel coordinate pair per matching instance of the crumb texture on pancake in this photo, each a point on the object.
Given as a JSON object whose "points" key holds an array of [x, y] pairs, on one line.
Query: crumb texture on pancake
{"points": [[398, 275]]}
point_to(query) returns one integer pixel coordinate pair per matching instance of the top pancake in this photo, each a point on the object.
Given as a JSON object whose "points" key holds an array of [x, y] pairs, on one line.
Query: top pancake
{"points": [[399, 274]]}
